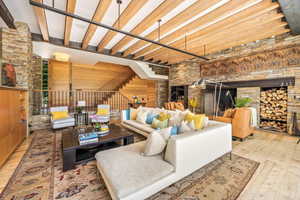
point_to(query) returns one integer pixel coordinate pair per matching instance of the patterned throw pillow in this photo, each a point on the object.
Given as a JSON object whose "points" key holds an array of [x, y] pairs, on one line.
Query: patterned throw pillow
{"points": [[150, 117], [157, 124]]}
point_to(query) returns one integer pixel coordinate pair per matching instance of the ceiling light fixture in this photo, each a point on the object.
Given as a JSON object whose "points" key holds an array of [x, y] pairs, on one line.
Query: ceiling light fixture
{"points": [[119, 2], [159, 29]]}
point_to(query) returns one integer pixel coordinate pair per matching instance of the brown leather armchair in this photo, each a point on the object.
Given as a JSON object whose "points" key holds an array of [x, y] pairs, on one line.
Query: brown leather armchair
{"points": [[240, 120]]}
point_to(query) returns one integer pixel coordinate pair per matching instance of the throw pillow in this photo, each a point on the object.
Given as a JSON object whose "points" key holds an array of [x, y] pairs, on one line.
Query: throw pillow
{"points": [[198, 121], [142, 116], [150, 117], [189, 117], [59, 115], [157, 124], [156, 142], [133, 113], [229, 113], [184, 127], [163, 116], [205, 122], [174, 130]]}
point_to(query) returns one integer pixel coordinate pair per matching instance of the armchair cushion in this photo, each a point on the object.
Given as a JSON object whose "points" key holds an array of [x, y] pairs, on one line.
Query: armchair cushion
{"points": [[59, 115], [64, 120], [102, 111]]}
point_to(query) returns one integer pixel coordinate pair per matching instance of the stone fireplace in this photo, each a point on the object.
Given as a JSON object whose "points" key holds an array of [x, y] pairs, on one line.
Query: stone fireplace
{"points": [[271, 62]]}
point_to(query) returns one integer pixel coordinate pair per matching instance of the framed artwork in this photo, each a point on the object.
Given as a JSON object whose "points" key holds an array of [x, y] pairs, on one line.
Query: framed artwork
{"points": [[8, 75]]}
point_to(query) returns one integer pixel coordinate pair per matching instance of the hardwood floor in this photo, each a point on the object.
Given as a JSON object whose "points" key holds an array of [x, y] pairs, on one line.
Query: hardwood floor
{"points": [[7, 170], [277, 178]]}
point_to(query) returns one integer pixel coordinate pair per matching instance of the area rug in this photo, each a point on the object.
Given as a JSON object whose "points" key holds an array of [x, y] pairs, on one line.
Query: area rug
{"points": [[39, 176]]}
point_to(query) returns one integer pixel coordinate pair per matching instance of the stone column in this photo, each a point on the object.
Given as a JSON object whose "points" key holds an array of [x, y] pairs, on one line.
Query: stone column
{"points": [[16, 49]]}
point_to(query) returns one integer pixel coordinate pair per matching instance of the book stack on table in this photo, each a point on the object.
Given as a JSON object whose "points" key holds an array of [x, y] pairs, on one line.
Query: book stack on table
{"points": [[87, 138]]}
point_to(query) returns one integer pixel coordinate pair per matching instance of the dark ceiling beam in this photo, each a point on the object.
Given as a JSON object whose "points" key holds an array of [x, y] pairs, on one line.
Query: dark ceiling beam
{"points": [[78, 46], [62, 12], [6, 16], [291, 10]]}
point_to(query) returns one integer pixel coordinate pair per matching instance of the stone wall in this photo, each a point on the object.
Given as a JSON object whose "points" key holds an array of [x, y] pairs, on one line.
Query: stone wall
{"points": [[162, 85], [185, 74], [35, 97], [275, 57], [16, 49], [162, 92]]}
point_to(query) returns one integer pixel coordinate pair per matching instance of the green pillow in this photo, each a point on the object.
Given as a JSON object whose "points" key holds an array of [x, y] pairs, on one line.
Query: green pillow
{"points": [[157, 124]]}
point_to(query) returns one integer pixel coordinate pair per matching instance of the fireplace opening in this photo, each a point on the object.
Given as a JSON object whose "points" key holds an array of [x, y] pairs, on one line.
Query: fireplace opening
{"points": [[227, 100], [273, 109]]}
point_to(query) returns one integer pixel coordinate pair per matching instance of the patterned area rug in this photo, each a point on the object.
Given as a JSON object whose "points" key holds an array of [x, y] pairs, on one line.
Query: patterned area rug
{"points": [[39, 176]]}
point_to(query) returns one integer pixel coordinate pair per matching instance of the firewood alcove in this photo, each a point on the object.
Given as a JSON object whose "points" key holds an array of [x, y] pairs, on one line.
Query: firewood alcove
{"points": [[273, 109]]}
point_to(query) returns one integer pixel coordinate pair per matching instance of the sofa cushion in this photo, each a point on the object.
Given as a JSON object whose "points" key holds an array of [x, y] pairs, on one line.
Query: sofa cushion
{"points": [[65, 120], [127, 171], [143, 127]]}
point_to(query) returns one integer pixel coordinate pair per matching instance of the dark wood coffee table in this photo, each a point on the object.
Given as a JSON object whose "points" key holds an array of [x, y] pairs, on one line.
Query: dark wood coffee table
{"points": [[73, 153]]}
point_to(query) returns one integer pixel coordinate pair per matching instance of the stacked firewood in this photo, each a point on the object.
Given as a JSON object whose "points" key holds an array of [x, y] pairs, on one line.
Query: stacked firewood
{"points": [[273, 106], [274, 125]]}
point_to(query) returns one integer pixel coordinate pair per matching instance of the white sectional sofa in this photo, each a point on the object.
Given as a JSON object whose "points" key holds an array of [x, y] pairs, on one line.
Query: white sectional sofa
{"points": [[131, 176]]}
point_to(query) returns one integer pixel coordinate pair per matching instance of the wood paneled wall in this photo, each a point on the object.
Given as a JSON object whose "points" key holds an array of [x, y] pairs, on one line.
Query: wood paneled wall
{"points": [[13, 116], [59, 75], [102, 76]]}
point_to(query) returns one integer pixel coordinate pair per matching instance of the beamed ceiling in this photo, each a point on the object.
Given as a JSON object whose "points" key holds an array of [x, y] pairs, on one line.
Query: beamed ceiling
{"points": [[197, 26]]}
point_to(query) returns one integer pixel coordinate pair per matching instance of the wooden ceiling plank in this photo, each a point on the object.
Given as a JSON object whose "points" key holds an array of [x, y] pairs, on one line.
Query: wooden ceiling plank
{"points": [[98, 16], [219, 35], [129, 12], [191, 11], [163, 9], [71, 4], [233, 32], [244, 16], [260, 36], [238, 38], [218, 13], [42, 21], [236, 33]]}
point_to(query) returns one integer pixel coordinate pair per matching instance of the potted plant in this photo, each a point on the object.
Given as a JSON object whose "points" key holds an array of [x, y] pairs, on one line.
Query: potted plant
{"points": [[242, 102]]}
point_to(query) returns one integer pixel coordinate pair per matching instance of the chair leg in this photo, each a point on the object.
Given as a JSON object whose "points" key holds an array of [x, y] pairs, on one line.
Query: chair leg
{"points": [[230, 155]]}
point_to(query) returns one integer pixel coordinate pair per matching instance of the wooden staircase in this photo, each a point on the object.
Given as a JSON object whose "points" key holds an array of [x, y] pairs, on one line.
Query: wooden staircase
{"points": [[134, 87], [117, 89]]}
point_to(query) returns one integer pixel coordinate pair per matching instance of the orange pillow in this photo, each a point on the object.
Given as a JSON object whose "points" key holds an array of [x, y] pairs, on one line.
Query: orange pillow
{"points": [[229, 113]]}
